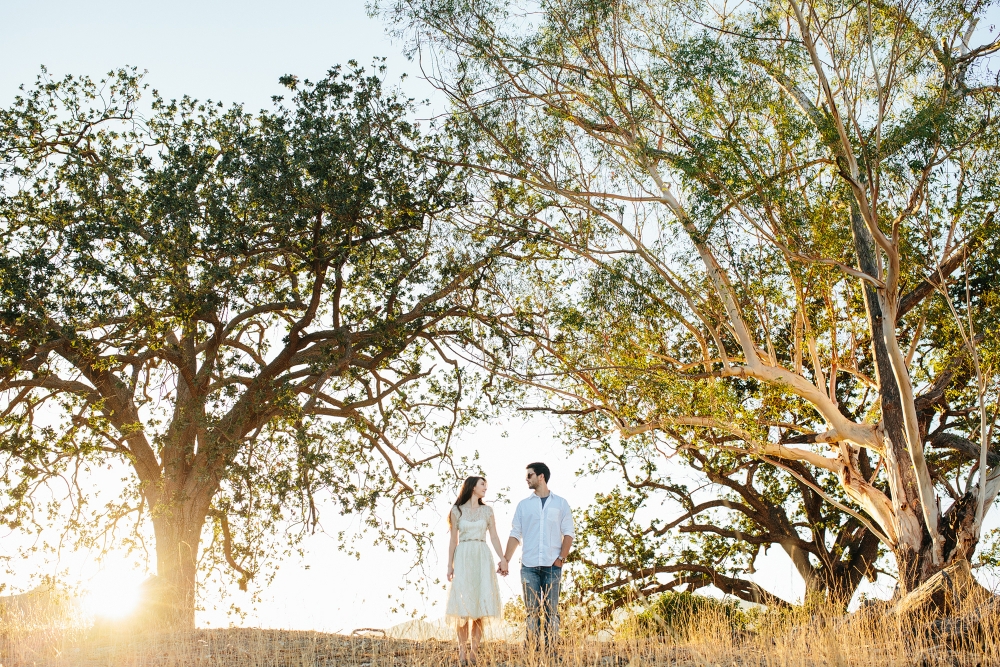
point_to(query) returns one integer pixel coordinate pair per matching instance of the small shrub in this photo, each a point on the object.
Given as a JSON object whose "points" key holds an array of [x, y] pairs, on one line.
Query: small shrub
{"points": [[514, 611], [674, 614]]}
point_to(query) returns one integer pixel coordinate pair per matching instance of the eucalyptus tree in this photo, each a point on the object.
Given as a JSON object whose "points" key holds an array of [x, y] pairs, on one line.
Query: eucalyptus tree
{"points": [[682, 510], [241, 312], [808, 184]]}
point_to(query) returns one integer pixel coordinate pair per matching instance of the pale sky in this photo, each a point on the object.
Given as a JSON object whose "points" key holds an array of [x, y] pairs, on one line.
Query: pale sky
{"points": [[235, 52], [223, 49]]}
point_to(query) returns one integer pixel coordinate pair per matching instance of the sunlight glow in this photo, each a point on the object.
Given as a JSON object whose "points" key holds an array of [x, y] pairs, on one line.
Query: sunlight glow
{"points": [[112, 593]]}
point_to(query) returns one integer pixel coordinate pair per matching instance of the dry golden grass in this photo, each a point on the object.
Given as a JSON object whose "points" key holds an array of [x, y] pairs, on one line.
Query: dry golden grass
{"points": [[820, 638]]}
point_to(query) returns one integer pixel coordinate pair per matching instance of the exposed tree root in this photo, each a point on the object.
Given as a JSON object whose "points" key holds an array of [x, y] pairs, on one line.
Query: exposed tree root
{"points": [[945, 592]]}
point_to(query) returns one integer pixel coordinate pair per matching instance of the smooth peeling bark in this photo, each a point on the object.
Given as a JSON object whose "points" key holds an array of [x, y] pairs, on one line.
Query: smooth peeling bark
{"points": [[912, 537], [915, 444]]}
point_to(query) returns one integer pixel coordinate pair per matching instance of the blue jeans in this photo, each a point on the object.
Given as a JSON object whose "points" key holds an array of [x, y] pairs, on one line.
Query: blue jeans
{"points": [[541, 600]]}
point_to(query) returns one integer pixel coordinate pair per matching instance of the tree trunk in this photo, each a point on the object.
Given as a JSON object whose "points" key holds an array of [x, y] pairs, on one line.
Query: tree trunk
{"points": [[812, 576], [959, 529], [846, 575], [170, 601], [914, 548]]}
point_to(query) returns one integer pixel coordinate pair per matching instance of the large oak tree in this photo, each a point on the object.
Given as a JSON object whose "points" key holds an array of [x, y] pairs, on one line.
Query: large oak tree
{"points": [[243, 311]]}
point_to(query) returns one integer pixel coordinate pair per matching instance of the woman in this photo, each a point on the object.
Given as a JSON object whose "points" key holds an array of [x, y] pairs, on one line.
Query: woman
{"points": [[474, 593]]}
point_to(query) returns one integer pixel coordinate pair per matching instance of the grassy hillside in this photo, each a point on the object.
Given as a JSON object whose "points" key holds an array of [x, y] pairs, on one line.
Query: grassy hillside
{"points": [[970, 637]]}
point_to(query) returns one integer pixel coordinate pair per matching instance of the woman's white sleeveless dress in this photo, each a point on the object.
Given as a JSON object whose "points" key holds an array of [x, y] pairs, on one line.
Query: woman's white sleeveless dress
{"points": [[474, 590]]}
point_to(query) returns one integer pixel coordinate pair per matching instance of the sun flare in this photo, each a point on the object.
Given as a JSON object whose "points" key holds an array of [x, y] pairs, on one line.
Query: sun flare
{"points": [[112, 594]]}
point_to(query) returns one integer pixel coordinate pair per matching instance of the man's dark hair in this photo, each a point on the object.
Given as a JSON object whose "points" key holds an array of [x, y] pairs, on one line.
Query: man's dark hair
{"points": [[541, 470]]}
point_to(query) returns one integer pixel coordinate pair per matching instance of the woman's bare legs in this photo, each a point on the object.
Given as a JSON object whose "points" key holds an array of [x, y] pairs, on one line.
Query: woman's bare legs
{"points": [[477, 636], [463, 637]]}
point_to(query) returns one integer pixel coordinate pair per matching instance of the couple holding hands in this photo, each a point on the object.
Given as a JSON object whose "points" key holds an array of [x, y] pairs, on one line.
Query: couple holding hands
{"points": [[542, 524]]}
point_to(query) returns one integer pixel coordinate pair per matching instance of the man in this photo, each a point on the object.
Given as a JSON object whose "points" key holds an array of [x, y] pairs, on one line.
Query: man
{"points": [[543, 523]]}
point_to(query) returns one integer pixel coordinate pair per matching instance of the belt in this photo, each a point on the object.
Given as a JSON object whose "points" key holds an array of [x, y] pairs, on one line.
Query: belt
{"points": [[471, 540]]}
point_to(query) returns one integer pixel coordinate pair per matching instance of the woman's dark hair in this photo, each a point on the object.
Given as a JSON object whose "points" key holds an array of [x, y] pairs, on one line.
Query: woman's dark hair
{"points": [[466, 493], [541, 470]]}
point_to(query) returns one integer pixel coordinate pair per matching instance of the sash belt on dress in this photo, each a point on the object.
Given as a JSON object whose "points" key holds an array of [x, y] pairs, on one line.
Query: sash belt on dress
{"points": [[469, 539]]}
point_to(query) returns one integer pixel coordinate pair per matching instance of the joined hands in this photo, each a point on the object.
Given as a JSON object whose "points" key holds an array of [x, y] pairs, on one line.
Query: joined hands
{"points": [[504, 568]]}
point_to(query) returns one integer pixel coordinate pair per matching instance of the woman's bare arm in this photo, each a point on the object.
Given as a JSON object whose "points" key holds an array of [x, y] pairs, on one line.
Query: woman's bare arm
{"points": [[494, 537], [452, 544], [496, 542]]}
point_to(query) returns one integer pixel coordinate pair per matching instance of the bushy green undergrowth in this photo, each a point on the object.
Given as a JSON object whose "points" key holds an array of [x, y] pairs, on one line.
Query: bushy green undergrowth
{"points": [[671, 614]]}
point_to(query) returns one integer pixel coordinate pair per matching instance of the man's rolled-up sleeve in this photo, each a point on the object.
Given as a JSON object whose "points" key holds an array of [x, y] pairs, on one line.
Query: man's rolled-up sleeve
{"points": [[515, 525], [566, 526]]}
